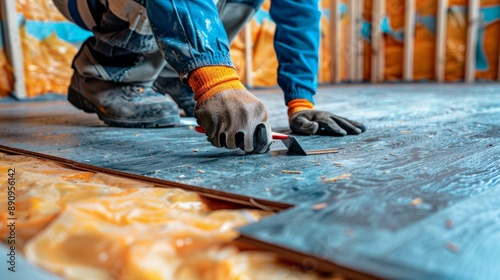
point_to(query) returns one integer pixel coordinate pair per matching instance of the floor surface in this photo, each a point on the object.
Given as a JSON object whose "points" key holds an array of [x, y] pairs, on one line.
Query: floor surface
{"points": [[413, 197]]}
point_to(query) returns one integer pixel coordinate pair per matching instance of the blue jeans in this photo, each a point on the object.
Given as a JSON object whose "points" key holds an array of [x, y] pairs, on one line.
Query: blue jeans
{"points": [[124, 48]]}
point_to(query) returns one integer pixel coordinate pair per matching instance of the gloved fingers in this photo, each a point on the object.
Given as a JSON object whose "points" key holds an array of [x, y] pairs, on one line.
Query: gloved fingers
{"points": [[260, 142], [262, 139], [215, 141], [222, 140], [231, 141], [359, 125], [328, 126], [301, 124], [349, 127], [239, 140], [213, 138], [248, 141], [231, 119]]}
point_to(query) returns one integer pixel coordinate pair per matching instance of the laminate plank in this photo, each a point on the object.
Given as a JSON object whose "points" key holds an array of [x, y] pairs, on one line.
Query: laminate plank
{"points": [[378, 208], [177, 154], [447, 239]]}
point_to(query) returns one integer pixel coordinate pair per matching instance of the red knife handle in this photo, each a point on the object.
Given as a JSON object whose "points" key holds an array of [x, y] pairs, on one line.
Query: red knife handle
{"points": [[199, 129], [279, 136], [276, 135]]}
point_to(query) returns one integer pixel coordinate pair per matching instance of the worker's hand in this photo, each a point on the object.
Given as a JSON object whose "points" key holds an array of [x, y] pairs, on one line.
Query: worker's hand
{"points": [[322, 122], [235, 119]]}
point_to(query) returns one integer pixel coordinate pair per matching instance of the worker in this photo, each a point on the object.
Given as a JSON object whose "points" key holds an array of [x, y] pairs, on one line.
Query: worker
{"points": [[143, 49]]}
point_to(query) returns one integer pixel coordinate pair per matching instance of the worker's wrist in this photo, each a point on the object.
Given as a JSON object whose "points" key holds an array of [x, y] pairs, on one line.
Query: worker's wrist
{"points": [[297, 105], [210, 80]]}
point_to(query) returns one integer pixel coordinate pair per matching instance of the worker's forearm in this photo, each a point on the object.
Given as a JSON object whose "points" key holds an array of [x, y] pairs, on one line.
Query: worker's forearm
{"points": [[296, 43], [189, 33]]}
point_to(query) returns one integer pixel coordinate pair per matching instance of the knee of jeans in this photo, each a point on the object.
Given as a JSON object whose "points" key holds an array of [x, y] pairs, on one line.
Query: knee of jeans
{"points": [[252, 3], [115, 31]]}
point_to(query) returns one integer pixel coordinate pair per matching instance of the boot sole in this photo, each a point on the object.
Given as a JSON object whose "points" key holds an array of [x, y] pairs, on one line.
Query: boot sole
{"points": [[85, 105]]}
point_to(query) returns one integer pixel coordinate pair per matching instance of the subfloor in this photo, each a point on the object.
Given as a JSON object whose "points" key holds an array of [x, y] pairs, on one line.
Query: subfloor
{"points": [[413, 197]]}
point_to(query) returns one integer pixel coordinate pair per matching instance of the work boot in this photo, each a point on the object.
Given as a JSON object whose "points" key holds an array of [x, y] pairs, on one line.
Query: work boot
{"points": [[122, 105], [180, 93]]}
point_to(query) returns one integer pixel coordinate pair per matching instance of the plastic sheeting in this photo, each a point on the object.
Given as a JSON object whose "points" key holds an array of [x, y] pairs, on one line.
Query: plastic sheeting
{"points": [[425, 40], [44, 10], [6, 78], [264, 61], [48, 47], [47, 63], [85, 225]]}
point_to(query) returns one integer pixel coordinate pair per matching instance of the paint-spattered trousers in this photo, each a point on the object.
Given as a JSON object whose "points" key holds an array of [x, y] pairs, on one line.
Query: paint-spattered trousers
{"points": [[125, 50]]}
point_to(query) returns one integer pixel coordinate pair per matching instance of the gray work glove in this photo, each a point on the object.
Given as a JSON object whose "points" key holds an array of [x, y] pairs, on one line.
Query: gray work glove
{"points": [[324, 123], [235, 119]]}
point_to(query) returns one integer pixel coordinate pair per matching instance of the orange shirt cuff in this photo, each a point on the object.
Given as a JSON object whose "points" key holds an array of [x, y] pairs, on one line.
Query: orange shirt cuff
{"points": [[298, 105]]}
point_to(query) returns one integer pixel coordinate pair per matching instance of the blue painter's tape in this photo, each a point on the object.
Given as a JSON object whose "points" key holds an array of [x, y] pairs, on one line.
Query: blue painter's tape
{"points": [[66, 31], [343, 9], [490, 14], [260, 15], [481, 60], [385, 27], [429, 22]]}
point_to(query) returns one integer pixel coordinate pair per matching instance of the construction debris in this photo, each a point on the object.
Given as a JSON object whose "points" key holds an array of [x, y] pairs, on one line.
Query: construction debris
{"points": [[417, 201], [291, 171], [452, 247], [319, 206], [341, 177]]}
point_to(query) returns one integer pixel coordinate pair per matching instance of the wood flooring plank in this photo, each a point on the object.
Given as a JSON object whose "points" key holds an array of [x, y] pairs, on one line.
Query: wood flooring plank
{"points": [[458, 240]]}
